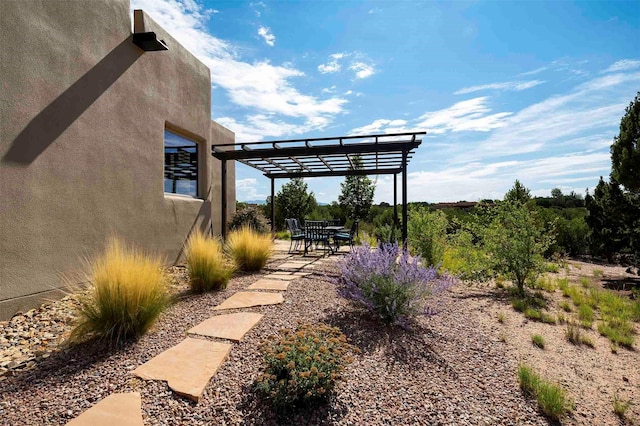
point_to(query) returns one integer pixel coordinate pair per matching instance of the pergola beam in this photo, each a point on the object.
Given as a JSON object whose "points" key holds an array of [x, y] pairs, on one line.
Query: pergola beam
{"points": [[334, 173]]}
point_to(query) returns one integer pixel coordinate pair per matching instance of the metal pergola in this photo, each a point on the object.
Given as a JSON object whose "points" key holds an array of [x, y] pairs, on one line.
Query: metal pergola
{"points": [[382, 154]]}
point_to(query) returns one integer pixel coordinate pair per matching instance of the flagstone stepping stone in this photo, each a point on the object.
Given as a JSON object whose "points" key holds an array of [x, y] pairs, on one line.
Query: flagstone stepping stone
{"points": [[282, 277], [122, 409], [292, 265], [186, 367], [227, 326], [247, 299], [265, 284]]}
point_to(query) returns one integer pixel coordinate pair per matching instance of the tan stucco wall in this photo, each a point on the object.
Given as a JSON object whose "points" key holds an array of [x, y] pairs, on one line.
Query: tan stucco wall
{"points": [[82, 119]]}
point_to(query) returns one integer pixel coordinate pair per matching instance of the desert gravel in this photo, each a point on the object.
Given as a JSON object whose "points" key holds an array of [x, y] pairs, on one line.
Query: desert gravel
{"points": [[450, 369]]}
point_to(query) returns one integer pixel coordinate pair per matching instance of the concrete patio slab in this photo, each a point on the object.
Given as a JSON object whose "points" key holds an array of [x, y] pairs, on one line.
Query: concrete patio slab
{"points": [[227, 326], [265, 284], [247, 299], [186, 367], [285, 275], [122, 409]]}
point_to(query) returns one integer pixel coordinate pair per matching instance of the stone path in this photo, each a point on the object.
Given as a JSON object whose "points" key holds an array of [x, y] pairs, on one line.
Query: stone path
{"points": [[188, 366]]}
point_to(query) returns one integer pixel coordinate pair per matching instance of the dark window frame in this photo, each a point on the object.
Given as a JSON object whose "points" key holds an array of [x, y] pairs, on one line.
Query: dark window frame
{"points": [[183, 167]]}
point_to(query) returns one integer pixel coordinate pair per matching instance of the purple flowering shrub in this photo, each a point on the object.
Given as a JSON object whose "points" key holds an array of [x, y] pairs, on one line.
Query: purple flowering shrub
{"points": [[390, 282]]}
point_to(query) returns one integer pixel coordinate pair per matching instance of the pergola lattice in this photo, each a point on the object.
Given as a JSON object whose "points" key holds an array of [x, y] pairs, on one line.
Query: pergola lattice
{"points": [[382, 154]]}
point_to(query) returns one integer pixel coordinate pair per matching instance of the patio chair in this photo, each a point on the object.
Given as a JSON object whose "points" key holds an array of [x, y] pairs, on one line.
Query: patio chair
{"points": [[295, 232], [315, 233], [346, 237], [333, 222]]}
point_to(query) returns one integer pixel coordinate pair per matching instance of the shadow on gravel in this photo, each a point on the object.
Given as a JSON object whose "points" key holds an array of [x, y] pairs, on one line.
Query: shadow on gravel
{"points": [[495, 294], [256, 411], [413, 345], [63, 364], [621, 284]]}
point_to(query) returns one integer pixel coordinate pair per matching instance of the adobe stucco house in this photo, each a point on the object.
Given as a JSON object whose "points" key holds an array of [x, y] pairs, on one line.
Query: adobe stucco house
{"points": [[98, 137]]}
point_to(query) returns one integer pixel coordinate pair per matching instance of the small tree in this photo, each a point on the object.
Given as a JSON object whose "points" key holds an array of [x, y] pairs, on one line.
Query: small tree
{"points": [[515, 242], [293, 201], [427, 234], [357, 193], [518, 193], [556, 193]]}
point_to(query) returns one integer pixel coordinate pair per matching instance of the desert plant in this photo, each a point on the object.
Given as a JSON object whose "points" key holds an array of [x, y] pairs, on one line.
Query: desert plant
{"points": [[249, 216], [598, 273], [304, 365], [620, 406], [565, 306], [427, 234], [207, 265], [585, 314], [538, 340], [249, 249], [515, 242], [501, 317], [127, 292], [389, 282], [551, 398]]}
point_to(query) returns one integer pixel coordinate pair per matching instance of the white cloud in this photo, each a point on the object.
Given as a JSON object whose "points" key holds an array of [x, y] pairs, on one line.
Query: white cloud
{"points": [[381, 126], [256, 127], [267, 35], [469, 115], [247, 189], [331, 89], [348, 92], [362, 70], [623, 65], [259, 86], [508, 85], [333, 65]]}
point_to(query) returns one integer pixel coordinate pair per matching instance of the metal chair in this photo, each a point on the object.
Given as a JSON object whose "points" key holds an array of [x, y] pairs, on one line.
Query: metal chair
{"points": [[295, 232], [344, 237], [315, 233]]}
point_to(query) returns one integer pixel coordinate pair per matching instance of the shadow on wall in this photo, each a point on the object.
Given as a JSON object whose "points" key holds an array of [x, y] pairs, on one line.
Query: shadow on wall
{"points": [[45, 128]]}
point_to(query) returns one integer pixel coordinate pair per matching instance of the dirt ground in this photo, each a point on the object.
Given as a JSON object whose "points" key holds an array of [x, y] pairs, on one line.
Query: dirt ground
{"points": [[593, 377]]}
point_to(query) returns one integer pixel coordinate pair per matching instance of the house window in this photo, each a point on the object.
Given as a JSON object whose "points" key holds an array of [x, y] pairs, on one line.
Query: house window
{"points": [[180, 165]]}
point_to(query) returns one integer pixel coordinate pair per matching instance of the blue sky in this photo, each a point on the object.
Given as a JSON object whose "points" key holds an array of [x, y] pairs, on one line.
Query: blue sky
{"points": [[505, 89]]}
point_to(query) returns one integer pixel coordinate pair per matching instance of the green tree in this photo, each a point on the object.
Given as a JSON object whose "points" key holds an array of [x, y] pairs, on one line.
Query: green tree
{"points": [[293, 201], [518, 193], [515, 242], [556, 193], [625, 151], [357, 192]]}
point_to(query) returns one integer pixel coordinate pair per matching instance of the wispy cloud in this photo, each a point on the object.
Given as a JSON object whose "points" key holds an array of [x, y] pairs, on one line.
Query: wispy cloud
{"points": [[381, 126], [263, 88], [247, 189], [470, 115], [267, 35], [623, 65], [362, 69], [507, 85]]}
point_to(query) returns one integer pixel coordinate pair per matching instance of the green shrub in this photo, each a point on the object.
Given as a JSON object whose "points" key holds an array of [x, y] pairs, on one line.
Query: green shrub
{"points": [[617, 331], [545, 283], [620, 406], [551, 398], [249, 249], [127, 292], [538, 340], [515, 242], [552, 267], [427, 234], [467, 260], [207, 265], [282, 235], [598, 273], [303, 366], [249, 216]]}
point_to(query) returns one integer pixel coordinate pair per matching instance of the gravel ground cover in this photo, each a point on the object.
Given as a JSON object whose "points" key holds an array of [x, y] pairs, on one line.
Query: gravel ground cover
{"points": [[452, 368]]}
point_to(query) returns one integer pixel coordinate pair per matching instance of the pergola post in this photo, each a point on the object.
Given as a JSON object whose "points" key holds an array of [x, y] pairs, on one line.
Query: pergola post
{"points": [[223, 193], [404, 200], [395, 200], [273, 207]]}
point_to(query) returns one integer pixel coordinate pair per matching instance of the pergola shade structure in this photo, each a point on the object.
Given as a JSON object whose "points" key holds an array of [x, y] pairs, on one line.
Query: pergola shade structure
{"points": [[383, 154]]}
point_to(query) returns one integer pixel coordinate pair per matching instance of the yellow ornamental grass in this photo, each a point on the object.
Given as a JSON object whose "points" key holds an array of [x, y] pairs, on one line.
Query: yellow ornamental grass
{"points": [[208, 267], [127, 293], [249, 249]]}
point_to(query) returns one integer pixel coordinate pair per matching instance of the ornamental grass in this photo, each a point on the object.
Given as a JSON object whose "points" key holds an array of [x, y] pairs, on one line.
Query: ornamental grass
{"points": [[249, 249], [126, 294], [208, 267]]}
